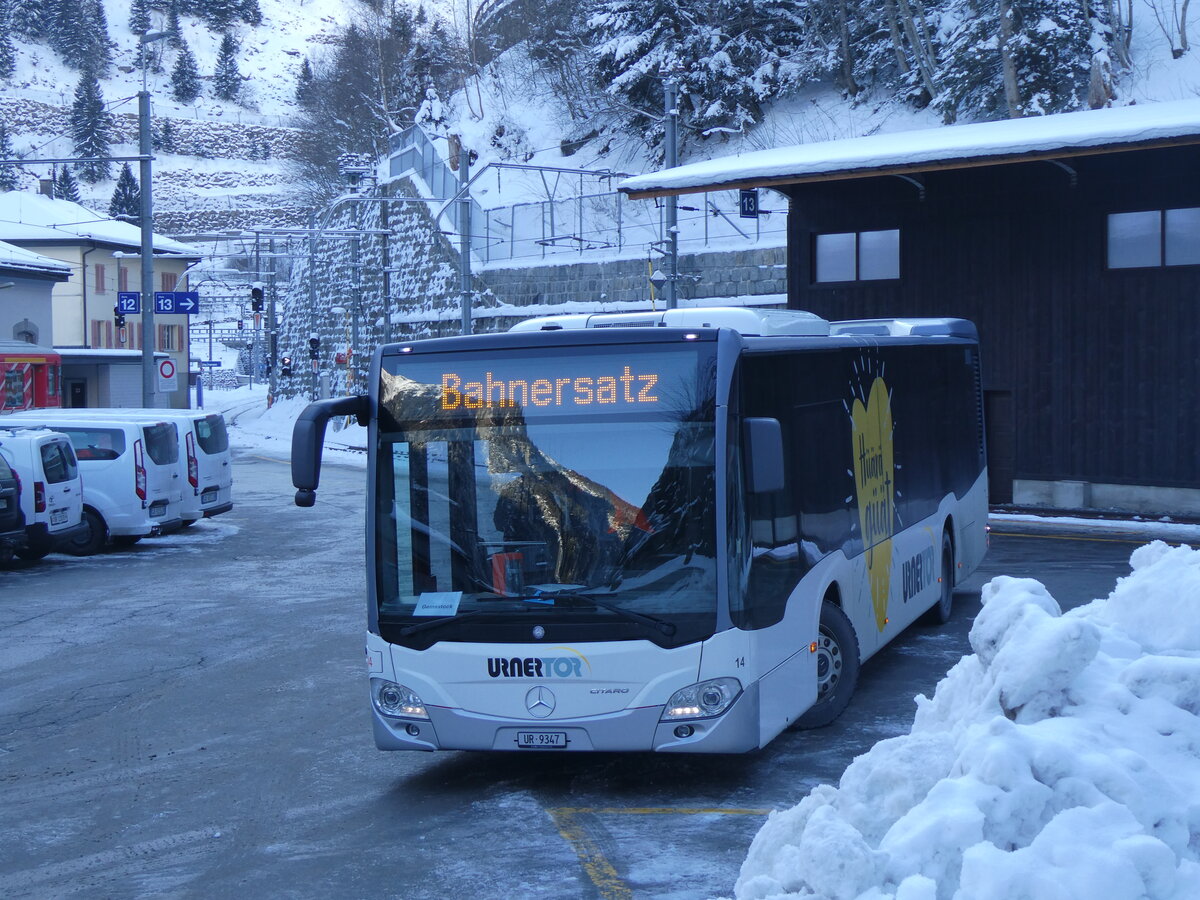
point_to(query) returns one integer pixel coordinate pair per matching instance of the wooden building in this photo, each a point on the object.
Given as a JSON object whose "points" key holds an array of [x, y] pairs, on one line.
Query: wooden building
{"points": [[1072, 241]]}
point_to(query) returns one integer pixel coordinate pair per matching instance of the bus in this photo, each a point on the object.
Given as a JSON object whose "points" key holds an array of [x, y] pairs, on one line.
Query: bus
{"points": [[30, 377], [676, 531]]}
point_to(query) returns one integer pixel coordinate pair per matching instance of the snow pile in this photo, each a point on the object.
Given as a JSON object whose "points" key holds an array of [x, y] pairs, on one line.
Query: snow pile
{"points": [[1058, 761]]}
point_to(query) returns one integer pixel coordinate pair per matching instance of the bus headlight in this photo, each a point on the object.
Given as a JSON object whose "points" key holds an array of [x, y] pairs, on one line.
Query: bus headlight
{"points": [[703, 700], [396, 700]]}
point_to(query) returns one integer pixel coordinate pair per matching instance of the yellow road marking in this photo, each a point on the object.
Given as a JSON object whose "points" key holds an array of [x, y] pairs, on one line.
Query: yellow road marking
{"points": [[273, 459], [601, 872]]}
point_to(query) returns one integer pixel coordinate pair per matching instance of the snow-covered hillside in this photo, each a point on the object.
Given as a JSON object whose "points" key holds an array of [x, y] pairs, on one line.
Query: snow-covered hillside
{"points": [[230, 167]]}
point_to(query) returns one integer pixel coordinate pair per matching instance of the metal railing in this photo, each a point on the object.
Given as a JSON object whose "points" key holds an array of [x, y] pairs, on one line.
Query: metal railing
{"points": [[412, 150]]}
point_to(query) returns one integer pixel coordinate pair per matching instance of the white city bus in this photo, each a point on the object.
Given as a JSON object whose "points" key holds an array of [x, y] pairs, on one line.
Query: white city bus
{"points": [[678, 531]]}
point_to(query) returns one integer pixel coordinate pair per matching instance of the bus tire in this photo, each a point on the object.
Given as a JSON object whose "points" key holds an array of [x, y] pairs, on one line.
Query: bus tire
{"points": [[939, 613], [93, 540], [837, 668]]}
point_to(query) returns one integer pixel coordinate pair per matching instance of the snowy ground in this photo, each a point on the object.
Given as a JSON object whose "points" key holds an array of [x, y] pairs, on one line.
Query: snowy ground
{"points": [[1060, 760]]}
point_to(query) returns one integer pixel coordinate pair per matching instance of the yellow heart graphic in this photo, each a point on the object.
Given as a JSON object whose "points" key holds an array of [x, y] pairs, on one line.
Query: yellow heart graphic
{"points": [[874, 481]]}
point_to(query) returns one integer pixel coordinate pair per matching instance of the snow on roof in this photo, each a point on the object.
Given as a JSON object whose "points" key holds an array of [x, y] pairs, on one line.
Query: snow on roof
{"points": [[13, 257], [25, 216], [1012, 140]]}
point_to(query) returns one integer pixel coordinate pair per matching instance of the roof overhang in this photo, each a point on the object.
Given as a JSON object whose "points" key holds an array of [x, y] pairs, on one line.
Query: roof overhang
{"points": [[1090, 133]]}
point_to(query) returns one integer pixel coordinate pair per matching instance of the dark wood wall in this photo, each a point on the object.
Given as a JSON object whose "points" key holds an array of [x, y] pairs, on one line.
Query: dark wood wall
{"points": [[1098, 369]]}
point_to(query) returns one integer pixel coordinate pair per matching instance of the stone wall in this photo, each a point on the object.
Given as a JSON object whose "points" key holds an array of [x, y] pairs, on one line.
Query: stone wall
{"points": [[736, 273]]}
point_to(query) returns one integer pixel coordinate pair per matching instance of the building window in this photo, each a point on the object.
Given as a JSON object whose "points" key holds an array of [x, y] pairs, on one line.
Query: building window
{"points": [[98, 269], [1153, 238], [857, 256], [170, 337], [122, 278], [169, 280]]}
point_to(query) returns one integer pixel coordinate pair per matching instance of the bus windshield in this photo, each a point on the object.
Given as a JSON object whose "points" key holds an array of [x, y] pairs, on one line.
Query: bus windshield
{"points": [[568, 496]]}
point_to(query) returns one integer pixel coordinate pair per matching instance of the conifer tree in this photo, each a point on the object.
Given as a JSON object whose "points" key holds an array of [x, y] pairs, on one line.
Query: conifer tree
{"points": [[251, 13], [173, 26], [65, 186], [185, 77], [304, 83], [30, 18], [79, 31], [8, 60], [139, 16], [164, 139], [218, 15], [227, 80], [126, 203], [91, 127], [8, 174]]}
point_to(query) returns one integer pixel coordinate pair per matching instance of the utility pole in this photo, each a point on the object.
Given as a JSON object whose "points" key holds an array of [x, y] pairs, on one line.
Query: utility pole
{"points": [[464, 224], [272, 331], [672, 159], [145, 148], [312, 290]]}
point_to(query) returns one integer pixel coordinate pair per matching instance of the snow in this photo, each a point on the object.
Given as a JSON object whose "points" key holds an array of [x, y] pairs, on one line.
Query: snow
{"points": [[1060, 760], [25, 216], [1127, 125], [13, 257]]}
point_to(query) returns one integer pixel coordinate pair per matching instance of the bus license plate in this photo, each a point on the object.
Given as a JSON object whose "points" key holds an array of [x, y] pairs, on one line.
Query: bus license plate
{"points": [[542, 740], [58, 516]]}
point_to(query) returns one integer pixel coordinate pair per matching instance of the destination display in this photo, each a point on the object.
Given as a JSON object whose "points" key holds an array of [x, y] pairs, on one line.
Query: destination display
{"points": [[587, 382]]}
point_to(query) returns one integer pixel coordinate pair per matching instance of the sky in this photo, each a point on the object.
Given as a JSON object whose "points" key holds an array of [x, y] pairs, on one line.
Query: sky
{"points": [[1060, 760]]}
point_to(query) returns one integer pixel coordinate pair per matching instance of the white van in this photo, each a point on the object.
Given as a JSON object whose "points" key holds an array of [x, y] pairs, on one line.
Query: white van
{"points": [[51, 488], [205, 461], [131, 482]]}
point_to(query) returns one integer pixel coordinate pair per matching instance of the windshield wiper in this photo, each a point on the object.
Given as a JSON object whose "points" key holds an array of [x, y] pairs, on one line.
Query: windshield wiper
{"points": [[662, 625], [439, 621]]}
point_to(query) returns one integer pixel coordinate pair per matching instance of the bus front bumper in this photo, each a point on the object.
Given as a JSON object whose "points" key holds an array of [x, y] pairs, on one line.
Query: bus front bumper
{"points": [[630, 730]]}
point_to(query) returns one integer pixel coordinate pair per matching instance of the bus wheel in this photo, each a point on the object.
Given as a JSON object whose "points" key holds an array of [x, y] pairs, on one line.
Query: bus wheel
{"points": [[837, 668], [92, 540], [939, 613]]}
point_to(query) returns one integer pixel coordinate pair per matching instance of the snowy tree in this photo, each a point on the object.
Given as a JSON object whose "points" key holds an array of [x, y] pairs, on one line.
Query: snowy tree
{"points": [[227, 80], [8, 60], [251, 13], [78, 29], [8, 174], [139, 16], [304, 83], [91, 127], [165, 139], [173, 26], [126, 203], [1009, 58], [218, 15], [65, 187], [185, 77], [30, 18]]}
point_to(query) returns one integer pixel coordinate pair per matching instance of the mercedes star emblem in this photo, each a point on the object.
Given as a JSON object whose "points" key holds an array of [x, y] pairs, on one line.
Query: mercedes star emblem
{"points": [[540, 702], [538, 632]]}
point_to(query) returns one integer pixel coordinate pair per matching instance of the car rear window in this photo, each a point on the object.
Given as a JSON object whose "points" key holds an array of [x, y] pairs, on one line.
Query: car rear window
{"points": [[58, 462], [96, 443], [210, 433], [6, 473], [162, 443]]}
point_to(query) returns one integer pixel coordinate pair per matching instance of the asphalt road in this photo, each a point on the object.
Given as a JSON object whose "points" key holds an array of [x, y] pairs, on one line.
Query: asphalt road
{"points": [[188, 718]]}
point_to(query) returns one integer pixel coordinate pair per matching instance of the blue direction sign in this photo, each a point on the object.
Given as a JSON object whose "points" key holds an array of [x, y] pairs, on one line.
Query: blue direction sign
{"points": [[129, 303], [210, 363], [180, 302]]}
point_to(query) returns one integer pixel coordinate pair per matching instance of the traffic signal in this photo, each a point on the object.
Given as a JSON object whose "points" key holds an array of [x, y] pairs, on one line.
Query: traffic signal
{"points": [[256, 299], [118, 317], [241, 324], [285, 366], [314, 346]]}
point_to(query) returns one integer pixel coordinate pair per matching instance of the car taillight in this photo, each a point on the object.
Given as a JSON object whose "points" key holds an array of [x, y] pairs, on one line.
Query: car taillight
{"points": [[39, 497], [193, 463], [139, 471]]}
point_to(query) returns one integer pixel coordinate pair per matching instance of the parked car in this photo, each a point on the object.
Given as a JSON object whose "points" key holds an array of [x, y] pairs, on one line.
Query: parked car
{"points": [[12, 519], [205, 461], [131, 482], [52, 496]]}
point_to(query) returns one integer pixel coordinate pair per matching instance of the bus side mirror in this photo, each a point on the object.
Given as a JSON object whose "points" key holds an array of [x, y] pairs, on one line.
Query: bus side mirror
{"points": [[308, 439], [763, 445]]}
